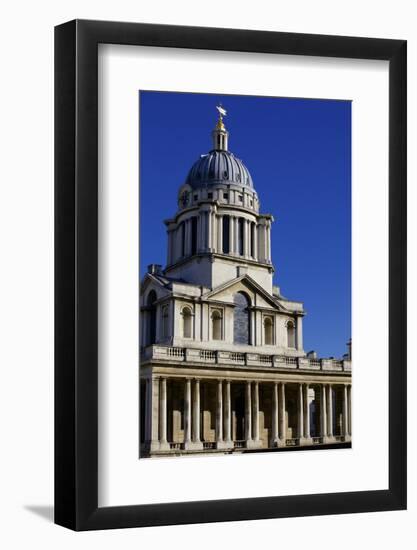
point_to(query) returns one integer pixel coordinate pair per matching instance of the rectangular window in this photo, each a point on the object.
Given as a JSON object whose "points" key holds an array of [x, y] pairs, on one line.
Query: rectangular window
{"points": [[194, 235], [226, 196], [210, 195], [241, 237], [226, 236]]}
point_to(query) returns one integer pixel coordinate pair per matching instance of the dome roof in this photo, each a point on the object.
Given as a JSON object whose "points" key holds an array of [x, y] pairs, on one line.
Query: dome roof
{"points": [[219, 167]]}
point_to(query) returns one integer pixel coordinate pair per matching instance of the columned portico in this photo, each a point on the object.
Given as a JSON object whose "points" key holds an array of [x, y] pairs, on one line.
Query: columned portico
{"points": [[161, 434]]}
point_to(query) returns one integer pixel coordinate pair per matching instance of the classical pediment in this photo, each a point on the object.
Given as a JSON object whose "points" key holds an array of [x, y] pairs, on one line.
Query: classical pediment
{"points": [[150, 282], [258, 296]]}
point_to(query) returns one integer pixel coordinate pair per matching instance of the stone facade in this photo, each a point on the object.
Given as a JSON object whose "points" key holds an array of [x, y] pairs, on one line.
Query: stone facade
{"points": [[223, 368]]}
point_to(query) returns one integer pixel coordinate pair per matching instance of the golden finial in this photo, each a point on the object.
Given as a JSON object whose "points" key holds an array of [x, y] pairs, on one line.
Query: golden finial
{"points": [[220, 125], [222, 112]]}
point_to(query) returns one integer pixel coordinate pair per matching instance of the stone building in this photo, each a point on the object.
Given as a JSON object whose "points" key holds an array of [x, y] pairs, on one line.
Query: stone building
{"points": [[223, 368]]}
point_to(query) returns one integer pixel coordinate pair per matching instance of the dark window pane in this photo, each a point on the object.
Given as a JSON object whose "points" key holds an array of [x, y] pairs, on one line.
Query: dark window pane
{"points": [[226, 242]]}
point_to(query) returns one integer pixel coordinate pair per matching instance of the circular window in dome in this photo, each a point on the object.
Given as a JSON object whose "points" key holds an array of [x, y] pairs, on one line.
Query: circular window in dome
{"points": [[211, 174], [237, 177], [225, 175]]}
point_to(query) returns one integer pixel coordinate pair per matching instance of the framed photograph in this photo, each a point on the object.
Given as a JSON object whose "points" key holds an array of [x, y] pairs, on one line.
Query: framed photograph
{"points": [[230, 275]]}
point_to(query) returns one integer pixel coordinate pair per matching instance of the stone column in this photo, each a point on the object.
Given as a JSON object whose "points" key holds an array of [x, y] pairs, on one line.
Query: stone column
{"points": [[236, 250], [255, 242], [300, 412], [300, 333], [189, 237], [323, 419], [186, 232], [227, 415], [268, 241], [345, 411], [246, 239], [219, 412], [205, 232], [275, 421], [163, 443], [169, 254], [330, 411], [231, 235], [307, 431], [220, 234], [248, 414], [187, 413], [148, 415], [209, 231], [350, 410], [154, 413], [201, 233], [255, 412], [196, 412], [283, 423]]}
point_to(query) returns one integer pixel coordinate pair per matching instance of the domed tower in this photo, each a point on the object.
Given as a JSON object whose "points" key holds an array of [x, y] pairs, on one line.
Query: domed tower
{"points": [[218, 233]]}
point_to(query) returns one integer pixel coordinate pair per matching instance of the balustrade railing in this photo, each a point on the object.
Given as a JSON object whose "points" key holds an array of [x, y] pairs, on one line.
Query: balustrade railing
{"points": [[237, 357], [241, 443], [207, 355], [176, 352], [176, 446], [196, 355]]}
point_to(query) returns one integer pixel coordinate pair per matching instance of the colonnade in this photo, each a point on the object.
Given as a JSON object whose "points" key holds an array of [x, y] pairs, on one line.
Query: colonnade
{"points": [[253, 236], [157, 414]]}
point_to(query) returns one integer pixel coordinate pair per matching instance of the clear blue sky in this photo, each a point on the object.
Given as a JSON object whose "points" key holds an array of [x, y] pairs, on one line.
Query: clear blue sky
{"points": [[298, 152]]}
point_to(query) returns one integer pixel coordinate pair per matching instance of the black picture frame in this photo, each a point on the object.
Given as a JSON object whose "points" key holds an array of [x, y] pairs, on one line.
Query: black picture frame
{"points": [[76, 271]]}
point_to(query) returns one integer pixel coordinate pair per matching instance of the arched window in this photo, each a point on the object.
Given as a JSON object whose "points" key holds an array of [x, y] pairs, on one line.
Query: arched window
{"points": [[151, 317], [186, 322], [241, 325], [216, 325], [165, 319], [291, 334], [268, 331]]}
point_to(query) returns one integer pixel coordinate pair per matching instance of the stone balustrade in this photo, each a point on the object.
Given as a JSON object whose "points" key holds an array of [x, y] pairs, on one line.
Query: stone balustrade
{"points": [[195, 355]]}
